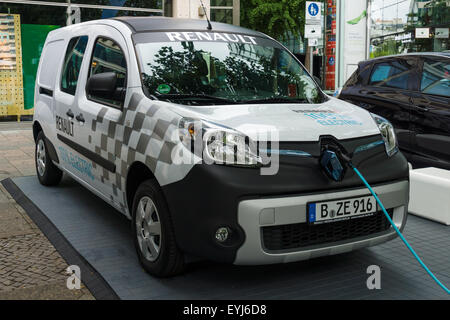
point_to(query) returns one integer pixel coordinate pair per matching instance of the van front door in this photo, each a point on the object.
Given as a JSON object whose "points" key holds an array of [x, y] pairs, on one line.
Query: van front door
{"points": [[100, 113]]}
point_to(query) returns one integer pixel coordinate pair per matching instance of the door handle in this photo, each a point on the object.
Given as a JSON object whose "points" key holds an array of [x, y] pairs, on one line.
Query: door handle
{"points": [[70, 114], [367, 92], [80, 118], [421, 108]]}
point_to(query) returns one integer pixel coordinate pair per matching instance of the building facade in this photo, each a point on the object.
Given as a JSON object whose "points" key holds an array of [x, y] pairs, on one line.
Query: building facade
{"points": [[24, 25], [374, 28], [408, 26]]}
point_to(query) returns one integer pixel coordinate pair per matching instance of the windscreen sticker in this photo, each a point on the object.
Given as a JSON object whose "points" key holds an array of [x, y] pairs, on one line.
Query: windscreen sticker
{"points": [[163, 88], [210, 36], [333, 119]]}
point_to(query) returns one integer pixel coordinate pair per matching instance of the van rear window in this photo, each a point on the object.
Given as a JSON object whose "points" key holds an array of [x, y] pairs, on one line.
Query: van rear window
{"points": [[52, 52]]}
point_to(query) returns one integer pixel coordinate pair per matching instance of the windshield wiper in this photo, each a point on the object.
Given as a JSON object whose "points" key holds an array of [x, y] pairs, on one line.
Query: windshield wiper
{"points": [[275, 100], [195, 97]]}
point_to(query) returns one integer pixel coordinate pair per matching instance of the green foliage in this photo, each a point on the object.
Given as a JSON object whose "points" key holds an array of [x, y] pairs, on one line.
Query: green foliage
{"points": [[274, 17]]}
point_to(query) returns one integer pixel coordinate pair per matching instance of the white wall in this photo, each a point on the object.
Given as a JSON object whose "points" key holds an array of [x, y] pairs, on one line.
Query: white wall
{"points": [[189, 9], [351, 39]]}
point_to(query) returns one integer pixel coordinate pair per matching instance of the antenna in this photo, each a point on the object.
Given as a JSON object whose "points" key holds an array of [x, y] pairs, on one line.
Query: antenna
{"points": [[206, 15]]}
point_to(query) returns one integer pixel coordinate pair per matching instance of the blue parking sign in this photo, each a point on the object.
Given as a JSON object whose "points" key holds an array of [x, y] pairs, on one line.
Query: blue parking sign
{"points": [[331, 61]]}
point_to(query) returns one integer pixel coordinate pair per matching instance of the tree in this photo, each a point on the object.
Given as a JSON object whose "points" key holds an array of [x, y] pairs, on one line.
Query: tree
{"points": [[277, 18]]}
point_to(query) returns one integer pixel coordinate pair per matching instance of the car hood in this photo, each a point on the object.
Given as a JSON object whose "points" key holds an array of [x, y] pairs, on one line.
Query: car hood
{"points": [[290, 122]]}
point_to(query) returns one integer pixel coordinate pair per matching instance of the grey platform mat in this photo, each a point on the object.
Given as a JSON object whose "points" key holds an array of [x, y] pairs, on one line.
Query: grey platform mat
{"points": [[102, 237]]}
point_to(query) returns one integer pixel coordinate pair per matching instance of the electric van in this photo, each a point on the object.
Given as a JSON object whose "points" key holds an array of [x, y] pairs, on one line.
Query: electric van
{"points": [[215, 142]]}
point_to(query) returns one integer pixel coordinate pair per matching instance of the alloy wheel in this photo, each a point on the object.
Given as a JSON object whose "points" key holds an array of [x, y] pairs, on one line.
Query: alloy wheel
{"points": [[148, 229], [40, 157]]}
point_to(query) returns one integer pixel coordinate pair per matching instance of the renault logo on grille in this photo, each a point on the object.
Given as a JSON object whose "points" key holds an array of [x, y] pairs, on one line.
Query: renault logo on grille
{"points": [[332, 165]]}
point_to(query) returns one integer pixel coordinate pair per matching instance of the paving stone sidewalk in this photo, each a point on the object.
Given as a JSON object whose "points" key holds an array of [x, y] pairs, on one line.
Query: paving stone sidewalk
{"points": [[30, 267]]}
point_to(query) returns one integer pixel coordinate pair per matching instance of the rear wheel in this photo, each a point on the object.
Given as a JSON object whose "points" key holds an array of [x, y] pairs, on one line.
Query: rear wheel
{"points": [[48, 174], [153, 232]]}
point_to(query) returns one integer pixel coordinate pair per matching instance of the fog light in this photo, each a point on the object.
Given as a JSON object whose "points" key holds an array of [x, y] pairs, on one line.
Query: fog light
{"points": [[222, 234]]}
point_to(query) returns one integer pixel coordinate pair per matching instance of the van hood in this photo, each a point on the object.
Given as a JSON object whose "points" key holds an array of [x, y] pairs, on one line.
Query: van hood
{"points": [[291, 122]]}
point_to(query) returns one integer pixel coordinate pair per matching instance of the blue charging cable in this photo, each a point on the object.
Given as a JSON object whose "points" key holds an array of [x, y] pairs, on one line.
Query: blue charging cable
{"points": [[398, 231]]}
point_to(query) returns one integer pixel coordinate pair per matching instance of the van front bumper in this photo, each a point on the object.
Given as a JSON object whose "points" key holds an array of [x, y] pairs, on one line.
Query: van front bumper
{"points": [[214, 196], [282, 222]]}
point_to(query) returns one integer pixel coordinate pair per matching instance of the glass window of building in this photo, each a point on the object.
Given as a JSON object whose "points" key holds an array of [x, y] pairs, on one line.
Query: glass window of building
{"points": [[226, 11], [34, 20], [393, 25]]}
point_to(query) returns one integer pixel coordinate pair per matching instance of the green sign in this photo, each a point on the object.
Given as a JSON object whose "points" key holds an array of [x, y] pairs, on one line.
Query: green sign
{"points": [[33, 40]]}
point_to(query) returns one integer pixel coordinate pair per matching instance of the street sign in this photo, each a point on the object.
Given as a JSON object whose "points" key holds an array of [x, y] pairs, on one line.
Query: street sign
{"points": [[441, 33], [313, 12], [331, 61], [422, 33], [313, 42], [313, 31]]}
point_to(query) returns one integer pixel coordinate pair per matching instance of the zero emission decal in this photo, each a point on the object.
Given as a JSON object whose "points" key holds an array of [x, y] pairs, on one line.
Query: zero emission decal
{"points": [[79, 164], [330, 118]]}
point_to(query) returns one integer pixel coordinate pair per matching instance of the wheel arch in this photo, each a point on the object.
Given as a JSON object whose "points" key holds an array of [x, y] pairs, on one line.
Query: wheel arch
{"points": [[137, 173], [36, 129]]}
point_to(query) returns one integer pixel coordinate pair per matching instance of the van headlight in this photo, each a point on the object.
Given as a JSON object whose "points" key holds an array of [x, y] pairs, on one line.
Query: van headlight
{"points": [[388, 133], [218, 145]]}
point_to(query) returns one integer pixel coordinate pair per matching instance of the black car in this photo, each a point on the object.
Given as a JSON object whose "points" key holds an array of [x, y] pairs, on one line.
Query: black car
{"points": [[413, 92]]}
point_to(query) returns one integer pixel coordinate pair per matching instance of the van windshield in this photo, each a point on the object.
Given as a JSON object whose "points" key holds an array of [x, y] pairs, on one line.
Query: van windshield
{"points": [[226, 71]]}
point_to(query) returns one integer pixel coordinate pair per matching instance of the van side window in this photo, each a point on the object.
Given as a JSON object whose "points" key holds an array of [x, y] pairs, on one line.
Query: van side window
{"points": [[395, 74], [72, 64], [109, 57], [436, 78]]}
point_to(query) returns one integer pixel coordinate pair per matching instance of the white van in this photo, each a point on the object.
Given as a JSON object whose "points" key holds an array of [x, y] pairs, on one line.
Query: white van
{"points": [[216, 143]]}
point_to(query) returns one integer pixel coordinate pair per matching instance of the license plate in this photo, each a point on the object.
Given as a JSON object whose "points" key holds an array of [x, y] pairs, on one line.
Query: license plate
{"points": [[337, 210]]}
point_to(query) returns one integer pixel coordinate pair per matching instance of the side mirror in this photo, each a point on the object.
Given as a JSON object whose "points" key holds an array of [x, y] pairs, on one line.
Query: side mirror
{"points": [[102, 85]]}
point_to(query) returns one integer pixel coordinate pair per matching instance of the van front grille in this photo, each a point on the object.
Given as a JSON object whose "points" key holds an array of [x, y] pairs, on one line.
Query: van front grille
{"points": [[294, 236]]}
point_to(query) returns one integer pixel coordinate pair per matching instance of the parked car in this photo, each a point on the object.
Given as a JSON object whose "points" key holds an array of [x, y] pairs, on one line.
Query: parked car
{"points": [[412, 91], [170, 123]]}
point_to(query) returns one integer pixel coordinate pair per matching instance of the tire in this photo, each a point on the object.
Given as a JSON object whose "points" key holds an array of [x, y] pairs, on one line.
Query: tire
{"points": [[47, 173], [155, 246]]}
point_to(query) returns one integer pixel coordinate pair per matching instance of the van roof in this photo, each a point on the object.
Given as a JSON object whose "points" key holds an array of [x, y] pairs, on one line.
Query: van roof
{"points": [[149, 24]]}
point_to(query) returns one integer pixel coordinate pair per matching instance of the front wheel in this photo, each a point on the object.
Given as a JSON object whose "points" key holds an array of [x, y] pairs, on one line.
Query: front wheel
{"points": [[153, 233], [48, 174]]}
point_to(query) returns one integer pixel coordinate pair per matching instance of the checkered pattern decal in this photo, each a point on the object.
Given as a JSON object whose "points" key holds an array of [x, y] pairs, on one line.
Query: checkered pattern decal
{"points": [[146, 132]]}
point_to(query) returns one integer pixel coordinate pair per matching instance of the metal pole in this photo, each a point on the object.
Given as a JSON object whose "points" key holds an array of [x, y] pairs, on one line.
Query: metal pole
{"points": [[81, 5], [311, 62], [368, 22], [69, 13], [324, 56]]}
